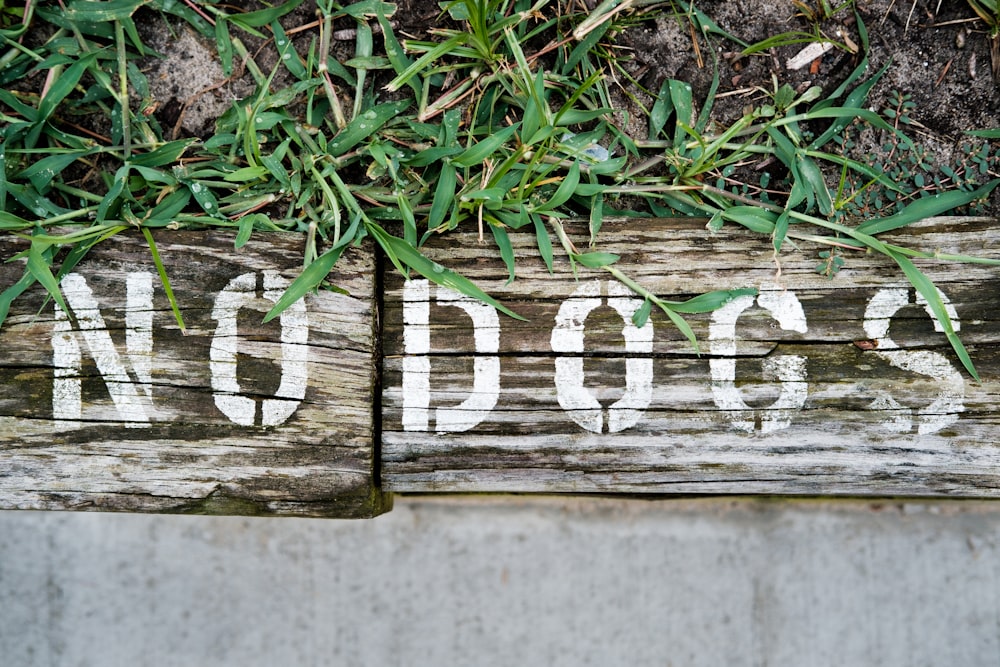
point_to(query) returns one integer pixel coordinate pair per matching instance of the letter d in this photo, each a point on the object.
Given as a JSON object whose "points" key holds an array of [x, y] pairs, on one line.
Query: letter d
{"points": [[417, 366]]}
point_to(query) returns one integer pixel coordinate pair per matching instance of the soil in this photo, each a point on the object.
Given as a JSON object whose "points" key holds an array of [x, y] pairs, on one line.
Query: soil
{"points": [[939, 55]]}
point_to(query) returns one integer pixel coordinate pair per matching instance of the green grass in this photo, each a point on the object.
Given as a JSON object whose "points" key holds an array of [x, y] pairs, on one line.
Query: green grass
{"points": [[504, 122]]}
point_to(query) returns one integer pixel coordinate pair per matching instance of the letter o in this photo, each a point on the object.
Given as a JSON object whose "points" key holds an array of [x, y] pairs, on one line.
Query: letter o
{"points": [[568, 337], [238, 294]]}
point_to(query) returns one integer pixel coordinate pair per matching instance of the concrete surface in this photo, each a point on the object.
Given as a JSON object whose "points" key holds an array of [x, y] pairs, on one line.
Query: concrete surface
{"points": [[523, 581]]}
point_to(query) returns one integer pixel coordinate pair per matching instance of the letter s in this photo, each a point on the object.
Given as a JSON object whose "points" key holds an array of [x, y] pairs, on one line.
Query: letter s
{"points": [[943, 411]]}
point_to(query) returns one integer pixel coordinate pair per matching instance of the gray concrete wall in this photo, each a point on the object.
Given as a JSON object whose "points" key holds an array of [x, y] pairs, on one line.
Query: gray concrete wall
{"points": [[493, 581]]}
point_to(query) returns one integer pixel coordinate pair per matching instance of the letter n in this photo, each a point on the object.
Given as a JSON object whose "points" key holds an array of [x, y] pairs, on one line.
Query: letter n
{"points": [[67, 403]]}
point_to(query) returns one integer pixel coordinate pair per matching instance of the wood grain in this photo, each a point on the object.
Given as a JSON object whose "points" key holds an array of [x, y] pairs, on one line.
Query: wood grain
{"points": [[825, 406], [817, 386], [186, 453]]}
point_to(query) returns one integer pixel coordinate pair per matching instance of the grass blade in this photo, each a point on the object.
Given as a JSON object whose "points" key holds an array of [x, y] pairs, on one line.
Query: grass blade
{"points": [[426, 60], [661, 110], [583, 48], [409, 222], [286, 51], [506, 249], [642, 313], [394, 51], [565, 190], [40, 269], [411, 257], [476, 153], [307, 281], [8, 296], [751, 217], [224, 46], [681, 97], [164, 280], [596, 260], [780, 230], [709, 301], [94, 11], [246, 230], [926, 207], [166, 154], [364, 126], [855, 99], [42, 173], [261, 17], [926, 287], [444, 195], [813, 177], [596, 216], [543, 240], [64, 85]]}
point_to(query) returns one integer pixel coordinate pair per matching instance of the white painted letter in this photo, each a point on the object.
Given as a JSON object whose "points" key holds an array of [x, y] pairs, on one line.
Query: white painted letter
{"points": [[66, 357], [950, 402], [241, 292], [568, 337], [417, 366], [416, 363], [790, 369]]}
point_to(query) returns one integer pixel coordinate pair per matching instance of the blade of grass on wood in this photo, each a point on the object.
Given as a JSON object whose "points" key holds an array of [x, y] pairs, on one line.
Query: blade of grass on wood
{"points": [[433, 271], [307, 281], [927, 289], [39, 267], [164, 279], [506, 249]]}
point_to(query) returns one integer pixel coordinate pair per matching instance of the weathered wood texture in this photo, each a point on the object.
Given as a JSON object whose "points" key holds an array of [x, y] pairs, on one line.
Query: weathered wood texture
{"points": [[114, 408], [818, 386]]}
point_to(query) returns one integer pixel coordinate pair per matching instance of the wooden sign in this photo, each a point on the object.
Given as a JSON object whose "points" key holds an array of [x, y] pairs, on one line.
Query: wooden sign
{"points": [[817, 385], [112, 406], [812, 385]]}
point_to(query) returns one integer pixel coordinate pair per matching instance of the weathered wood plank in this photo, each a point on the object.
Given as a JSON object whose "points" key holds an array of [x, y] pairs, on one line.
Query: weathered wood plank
{"points": [[115, 408], [818, 386]]}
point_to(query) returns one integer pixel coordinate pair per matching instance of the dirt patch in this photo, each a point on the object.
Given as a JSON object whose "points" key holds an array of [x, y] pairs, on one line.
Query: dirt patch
{"points": [[937, 81], [941, 57], [190, 103]]}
